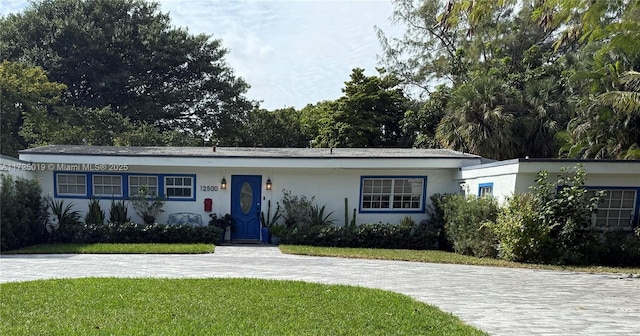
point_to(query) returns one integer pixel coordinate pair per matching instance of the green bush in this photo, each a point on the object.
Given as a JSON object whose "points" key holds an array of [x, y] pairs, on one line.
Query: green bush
{"points": [[295, 208], [465, 219], [23, 213], [521, 235], [95, 215], [436, 221], [565, 208], [620, 249], [66, 222], [118, 212], [411, 236], [148, 233], [146, 205]]}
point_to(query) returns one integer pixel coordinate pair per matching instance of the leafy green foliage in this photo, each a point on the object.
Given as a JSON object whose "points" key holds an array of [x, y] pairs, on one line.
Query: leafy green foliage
{"points": [[133, 233], [22, 214], [95, 215], [118, 212], [522, 236], [552, 224], [127, 55], [317, 216], [296, 208], [27, 94], [383, 236], [436, 221], [367, 115], [565, 208], [147, 206], [465, 224], [68, 222], [277, 128]]}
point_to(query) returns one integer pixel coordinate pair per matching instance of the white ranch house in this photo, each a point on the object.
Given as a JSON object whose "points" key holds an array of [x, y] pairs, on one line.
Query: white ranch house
{"points": [[383, 185]]}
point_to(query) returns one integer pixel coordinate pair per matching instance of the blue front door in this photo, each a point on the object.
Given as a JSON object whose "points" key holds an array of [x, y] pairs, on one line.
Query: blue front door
{"points": [[245, 206]]}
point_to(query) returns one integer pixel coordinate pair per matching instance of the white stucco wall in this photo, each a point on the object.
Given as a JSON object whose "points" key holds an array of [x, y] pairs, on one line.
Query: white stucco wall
{"points": [[329, 186], [16, 168], [517, 177]]}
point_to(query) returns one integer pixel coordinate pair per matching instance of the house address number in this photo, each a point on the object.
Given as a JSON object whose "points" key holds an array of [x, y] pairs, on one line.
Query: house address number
{"points": [[208, 188]]}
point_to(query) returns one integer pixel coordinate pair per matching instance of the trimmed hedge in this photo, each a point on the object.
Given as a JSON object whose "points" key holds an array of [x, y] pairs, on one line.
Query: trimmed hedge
{"points": [[417, 236], [148, 233]]}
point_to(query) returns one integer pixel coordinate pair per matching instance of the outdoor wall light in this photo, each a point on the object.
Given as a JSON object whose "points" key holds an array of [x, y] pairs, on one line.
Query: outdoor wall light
{"points": [[223, 183], [269, 185]]}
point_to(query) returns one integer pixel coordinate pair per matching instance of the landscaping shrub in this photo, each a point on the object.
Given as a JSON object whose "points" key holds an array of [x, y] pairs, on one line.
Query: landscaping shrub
{"points": [[565, 208], [65, 220], [521, 235], [296, 208], [118, 212], [465, 219], [436, 221], [95, 215], [23, 213], [148, 233], [414, 236], [147, 206]]}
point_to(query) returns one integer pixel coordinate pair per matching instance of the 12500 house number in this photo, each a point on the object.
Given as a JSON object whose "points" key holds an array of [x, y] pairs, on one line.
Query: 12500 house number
{"points": [[208, 188]]}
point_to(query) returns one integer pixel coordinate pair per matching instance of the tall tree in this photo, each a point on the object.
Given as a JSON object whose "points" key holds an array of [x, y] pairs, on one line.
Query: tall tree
{"points": [[125, 54], [606, 124], [25, 91], [367, 115], [506, 97], [278, 128]]}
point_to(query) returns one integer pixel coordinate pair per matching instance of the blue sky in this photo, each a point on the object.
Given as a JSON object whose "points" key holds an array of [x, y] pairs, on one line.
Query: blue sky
{"points": [[291, 52]]}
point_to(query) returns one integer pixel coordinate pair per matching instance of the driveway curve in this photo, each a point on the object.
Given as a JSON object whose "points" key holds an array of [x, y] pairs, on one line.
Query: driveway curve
{"points": [[500, 301]]}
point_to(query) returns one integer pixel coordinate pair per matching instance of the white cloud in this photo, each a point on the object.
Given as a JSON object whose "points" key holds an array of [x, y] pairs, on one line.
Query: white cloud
{"points": [[291, 52]]}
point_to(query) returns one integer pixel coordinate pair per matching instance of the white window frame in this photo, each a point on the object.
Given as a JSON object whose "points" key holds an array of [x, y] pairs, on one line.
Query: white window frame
{"points": [[381, 193], [153, 188], [75, 184], [615, 213], [181, 186], [107, 185]]}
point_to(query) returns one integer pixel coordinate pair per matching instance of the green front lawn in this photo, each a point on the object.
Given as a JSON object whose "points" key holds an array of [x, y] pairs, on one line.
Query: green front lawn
{"points": [[435, 256], [113, 306], [115, 248]]}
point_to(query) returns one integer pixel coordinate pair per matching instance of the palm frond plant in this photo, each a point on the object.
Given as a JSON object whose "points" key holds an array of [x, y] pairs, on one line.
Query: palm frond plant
{"points": [[65, 222], [317, 216]]}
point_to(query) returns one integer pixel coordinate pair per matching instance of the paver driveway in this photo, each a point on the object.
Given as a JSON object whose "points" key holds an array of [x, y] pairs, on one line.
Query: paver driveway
{"points": [[498, 300]]}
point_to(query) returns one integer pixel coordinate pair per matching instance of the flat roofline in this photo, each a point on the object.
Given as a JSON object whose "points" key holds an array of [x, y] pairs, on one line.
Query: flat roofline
{"points": [[249, 152], [544, 160]]}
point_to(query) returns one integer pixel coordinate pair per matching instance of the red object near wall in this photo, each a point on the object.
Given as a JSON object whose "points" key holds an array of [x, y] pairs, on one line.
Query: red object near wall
{"points": [[208, 204]]}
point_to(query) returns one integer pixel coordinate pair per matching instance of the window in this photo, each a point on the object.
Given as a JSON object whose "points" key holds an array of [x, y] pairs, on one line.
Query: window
{"points": [[485, 189], [71, 184], [392, 194], [122, 186], [178, 187], [137, 182], [615, 209], [107, 185]]}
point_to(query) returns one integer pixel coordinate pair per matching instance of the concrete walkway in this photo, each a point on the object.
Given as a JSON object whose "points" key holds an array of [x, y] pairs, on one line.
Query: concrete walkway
{"points": [[498, 300]]}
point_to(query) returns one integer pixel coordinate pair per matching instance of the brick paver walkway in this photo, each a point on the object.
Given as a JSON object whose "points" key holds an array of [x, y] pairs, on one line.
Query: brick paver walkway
{"points": [[500, 301]]}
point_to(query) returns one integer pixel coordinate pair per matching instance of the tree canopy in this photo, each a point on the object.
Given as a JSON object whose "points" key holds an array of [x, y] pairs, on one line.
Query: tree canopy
{"points": [[126, 55], [523, 78]]}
